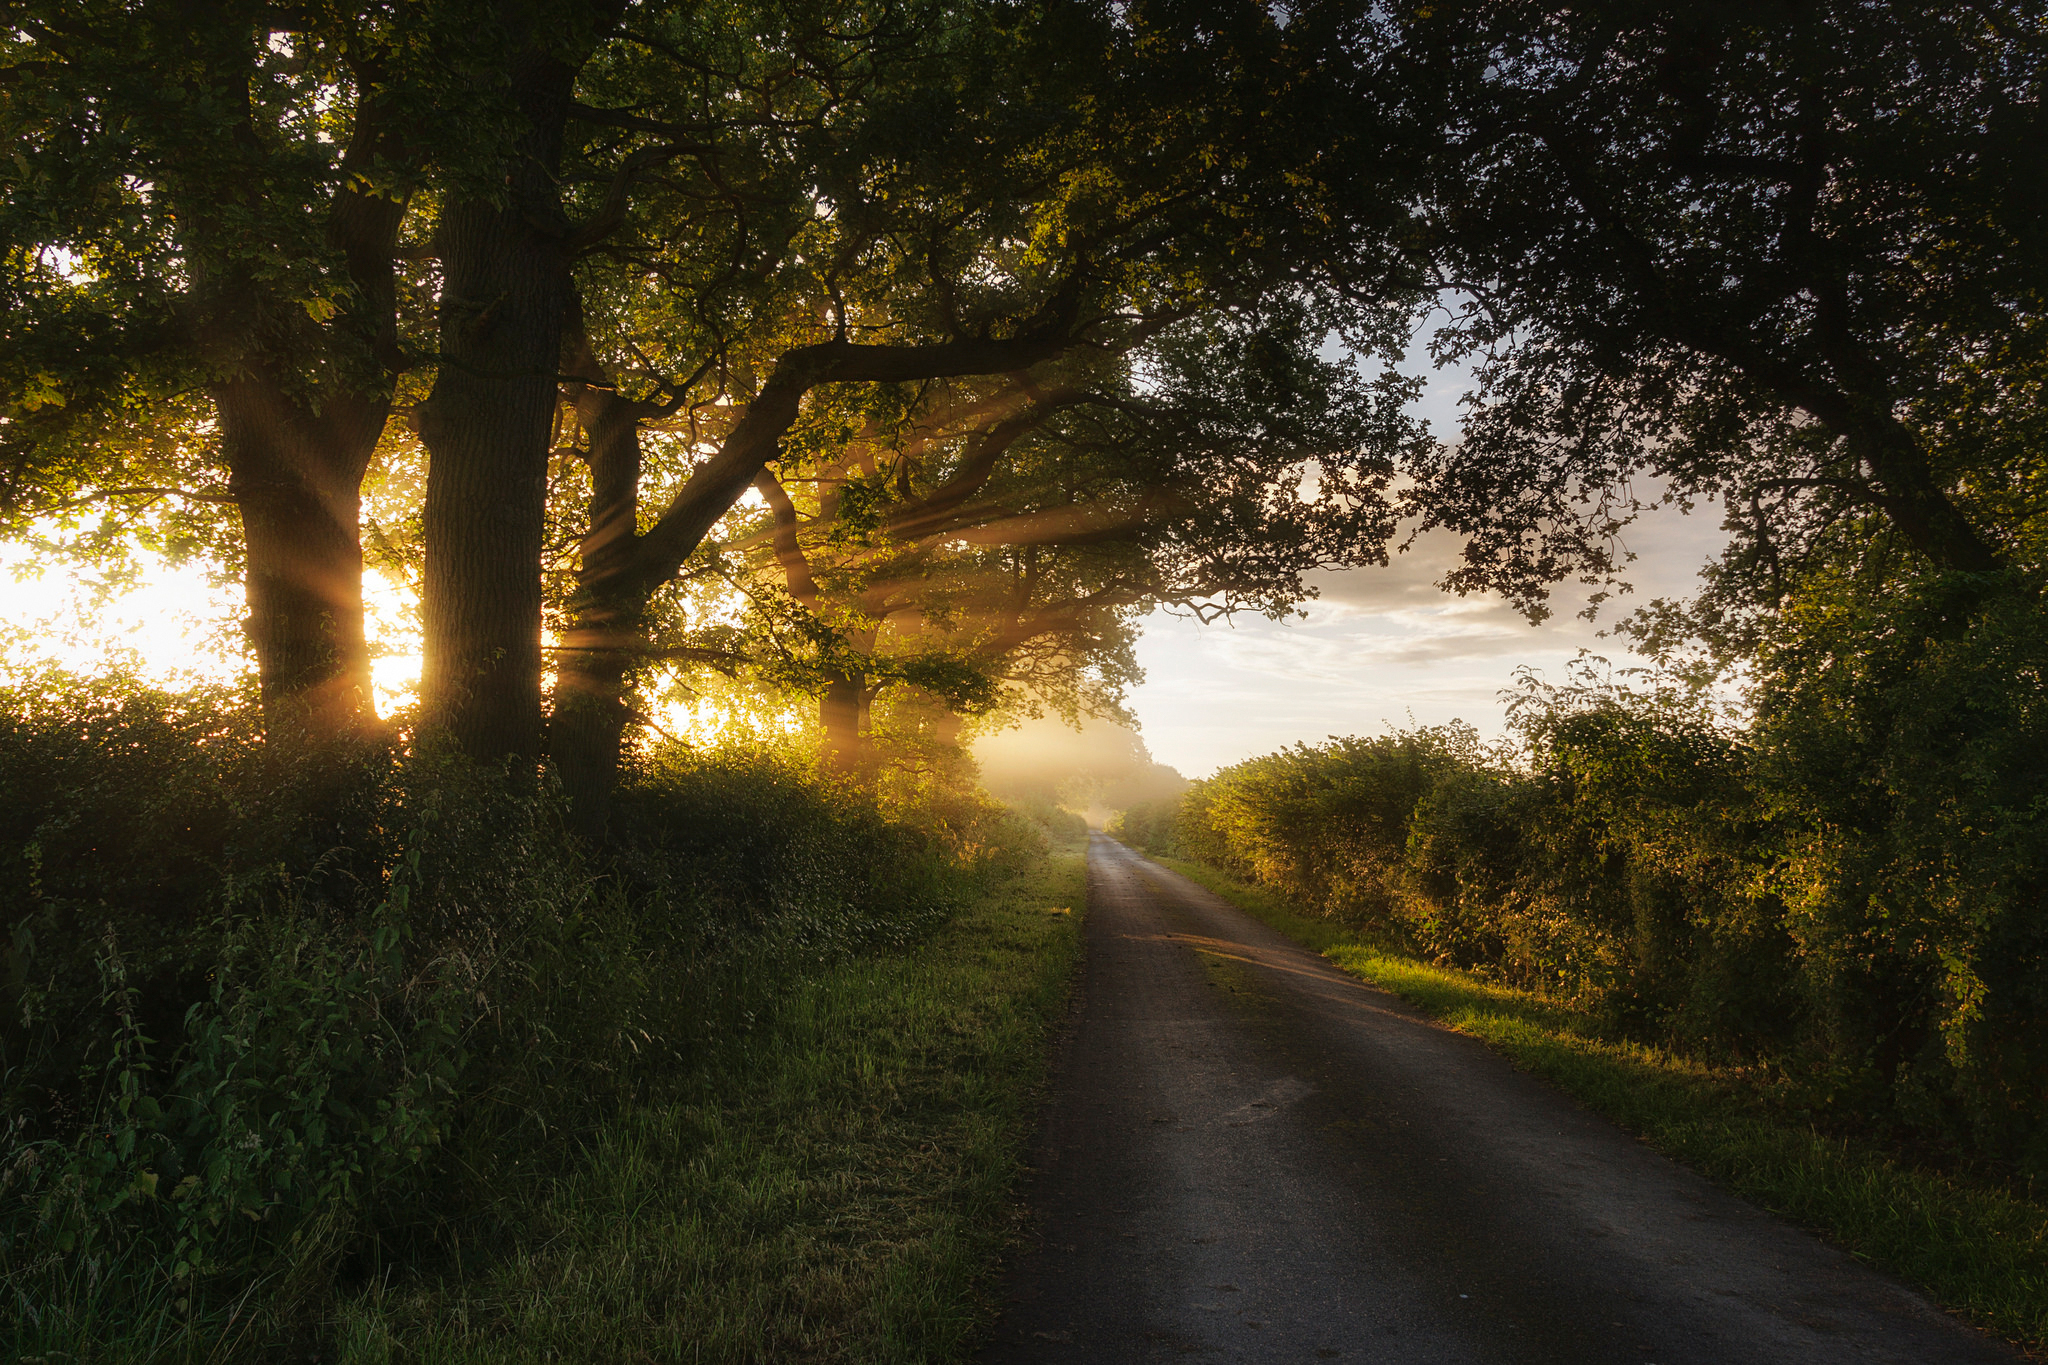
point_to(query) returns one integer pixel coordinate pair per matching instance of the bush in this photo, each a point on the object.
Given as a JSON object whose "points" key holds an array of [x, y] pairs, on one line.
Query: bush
{"points": [[275, 1021], [1152, 826], [1327, 824], [1849, 892], [1903, 746]]}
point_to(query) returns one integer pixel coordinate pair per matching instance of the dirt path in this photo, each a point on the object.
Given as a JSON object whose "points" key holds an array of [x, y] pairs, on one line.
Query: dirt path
{"points": [[1251, 1156]]}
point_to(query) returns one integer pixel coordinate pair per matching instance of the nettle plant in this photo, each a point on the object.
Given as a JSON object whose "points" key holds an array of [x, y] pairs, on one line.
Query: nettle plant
{"points": [[319, 1070]]}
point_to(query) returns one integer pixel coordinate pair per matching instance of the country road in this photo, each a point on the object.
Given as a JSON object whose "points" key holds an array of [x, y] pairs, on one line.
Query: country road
{"points": [[1251, 1156]]}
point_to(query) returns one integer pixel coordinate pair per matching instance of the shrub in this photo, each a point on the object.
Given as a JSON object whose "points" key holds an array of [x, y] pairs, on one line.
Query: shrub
{"points": [[1903, 746], [1849, 891], [1153, 825], [1326, 824], [274, 1022]]}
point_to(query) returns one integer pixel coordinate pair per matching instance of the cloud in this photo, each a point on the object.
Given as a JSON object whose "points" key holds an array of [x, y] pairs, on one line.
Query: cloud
{"points": [[1382, 646]]}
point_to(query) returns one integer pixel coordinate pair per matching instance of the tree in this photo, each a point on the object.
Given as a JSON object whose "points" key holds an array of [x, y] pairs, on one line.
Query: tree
{"points": [[209, 201], [1789, 257], [506, 245], [1051, 184], [1008, 532], [690, 94]]}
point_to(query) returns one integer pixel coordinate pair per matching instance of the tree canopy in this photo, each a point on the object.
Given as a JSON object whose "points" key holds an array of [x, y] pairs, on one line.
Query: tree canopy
{"points": [[975, 329], [1788, 257]]}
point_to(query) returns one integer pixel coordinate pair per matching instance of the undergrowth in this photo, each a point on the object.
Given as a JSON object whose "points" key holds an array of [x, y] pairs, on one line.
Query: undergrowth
{"points": [[831, 1183], [284, 1028]]}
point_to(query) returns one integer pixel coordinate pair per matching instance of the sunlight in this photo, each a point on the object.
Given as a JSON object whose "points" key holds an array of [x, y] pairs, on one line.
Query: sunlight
{"points": [[168, 625], [391, 622]]}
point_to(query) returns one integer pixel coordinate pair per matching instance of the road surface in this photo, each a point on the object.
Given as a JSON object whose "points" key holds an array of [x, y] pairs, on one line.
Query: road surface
{"points": [[1250, 1156]]}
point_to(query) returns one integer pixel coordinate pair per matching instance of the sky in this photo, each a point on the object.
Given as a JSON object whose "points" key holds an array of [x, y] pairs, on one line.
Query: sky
{"points": [[1383, 648], [1378, 649]]}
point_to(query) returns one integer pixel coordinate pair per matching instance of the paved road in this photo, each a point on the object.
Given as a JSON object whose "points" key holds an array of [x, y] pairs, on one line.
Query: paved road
{"points": [[1250, 1156]]}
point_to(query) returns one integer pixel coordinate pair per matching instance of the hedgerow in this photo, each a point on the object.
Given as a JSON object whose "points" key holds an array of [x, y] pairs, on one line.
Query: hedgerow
{"points": [[1845, 892], [280, 1019]]}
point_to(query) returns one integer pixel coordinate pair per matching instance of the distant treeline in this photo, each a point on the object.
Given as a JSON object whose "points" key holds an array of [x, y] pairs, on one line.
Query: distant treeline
{"points": [[1846, 890]]}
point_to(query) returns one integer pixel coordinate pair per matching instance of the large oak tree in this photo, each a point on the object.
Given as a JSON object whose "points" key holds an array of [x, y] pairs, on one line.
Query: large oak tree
{"points": [[203, 286]]}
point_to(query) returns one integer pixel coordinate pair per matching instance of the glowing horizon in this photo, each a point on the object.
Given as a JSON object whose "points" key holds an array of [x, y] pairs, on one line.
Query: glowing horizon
{"points": [[1379, 648]]}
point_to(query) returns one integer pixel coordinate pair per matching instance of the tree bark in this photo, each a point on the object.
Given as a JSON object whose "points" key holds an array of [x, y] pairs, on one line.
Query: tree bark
{"points": [[488, 428], [843, 705], [296, 450], [297, 480], [839, 714], [1916, 504], [602, 648]]}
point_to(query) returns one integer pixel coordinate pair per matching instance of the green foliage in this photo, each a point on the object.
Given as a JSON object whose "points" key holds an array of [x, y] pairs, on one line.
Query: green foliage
{"points": [[1056, 820], [1903, 741], [830, 1183], [1150, 825], [1847, 893], [1327, 824], [1627, 179], [235, 1088]]}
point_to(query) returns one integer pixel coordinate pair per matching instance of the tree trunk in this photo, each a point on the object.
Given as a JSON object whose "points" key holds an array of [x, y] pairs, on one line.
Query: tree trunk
{"points": [[595, 664], [839, 713], [1918, 506], [296, 454], [297, 480], [488, 428], [587, 732]]}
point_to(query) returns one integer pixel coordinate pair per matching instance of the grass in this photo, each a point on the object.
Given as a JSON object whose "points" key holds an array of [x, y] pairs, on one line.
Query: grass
{"points": [[834, 1184], [1978, 1249]]}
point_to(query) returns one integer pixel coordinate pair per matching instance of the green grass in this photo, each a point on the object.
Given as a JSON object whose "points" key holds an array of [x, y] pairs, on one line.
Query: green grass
{"points": [[1978, 1249], [835, 1184]]}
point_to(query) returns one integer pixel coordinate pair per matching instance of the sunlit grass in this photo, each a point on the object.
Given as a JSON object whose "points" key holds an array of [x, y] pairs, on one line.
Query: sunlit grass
{"points": [[1976, 1248], [833, 1184]]}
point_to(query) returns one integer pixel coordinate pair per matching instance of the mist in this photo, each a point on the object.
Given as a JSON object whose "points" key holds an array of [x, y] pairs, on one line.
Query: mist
{"points": [[1094, 771]]}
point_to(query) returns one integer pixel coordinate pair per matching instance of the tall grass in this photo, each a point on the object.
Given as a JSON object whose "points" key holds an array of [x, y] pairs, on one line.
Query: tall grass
{"points": [[830, 1183], [284, 1024]]}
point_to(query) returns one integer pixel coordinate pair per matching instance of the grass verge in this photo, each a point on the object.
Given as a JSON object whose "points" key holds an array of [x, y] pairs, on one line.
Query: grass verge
{"points": [[834, 1183], [1978, 1249]]}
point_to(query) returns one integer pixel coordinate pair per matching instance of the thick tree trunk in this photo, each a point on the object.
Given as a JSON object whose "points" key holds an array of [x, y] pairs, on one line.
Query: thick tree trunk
{"points": [[296, 478], [839, 714], [488, 428], [843, 708], [296, 454], [587, 732]]}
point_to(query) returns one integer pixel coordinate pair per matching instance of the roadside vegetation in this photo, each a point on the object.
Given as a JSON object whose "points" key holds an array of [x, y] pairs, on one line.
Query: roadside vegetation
{"points": [[367, 1058], [832, 1180], [736, 409], [1976, 1245], [1677, 919]]}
